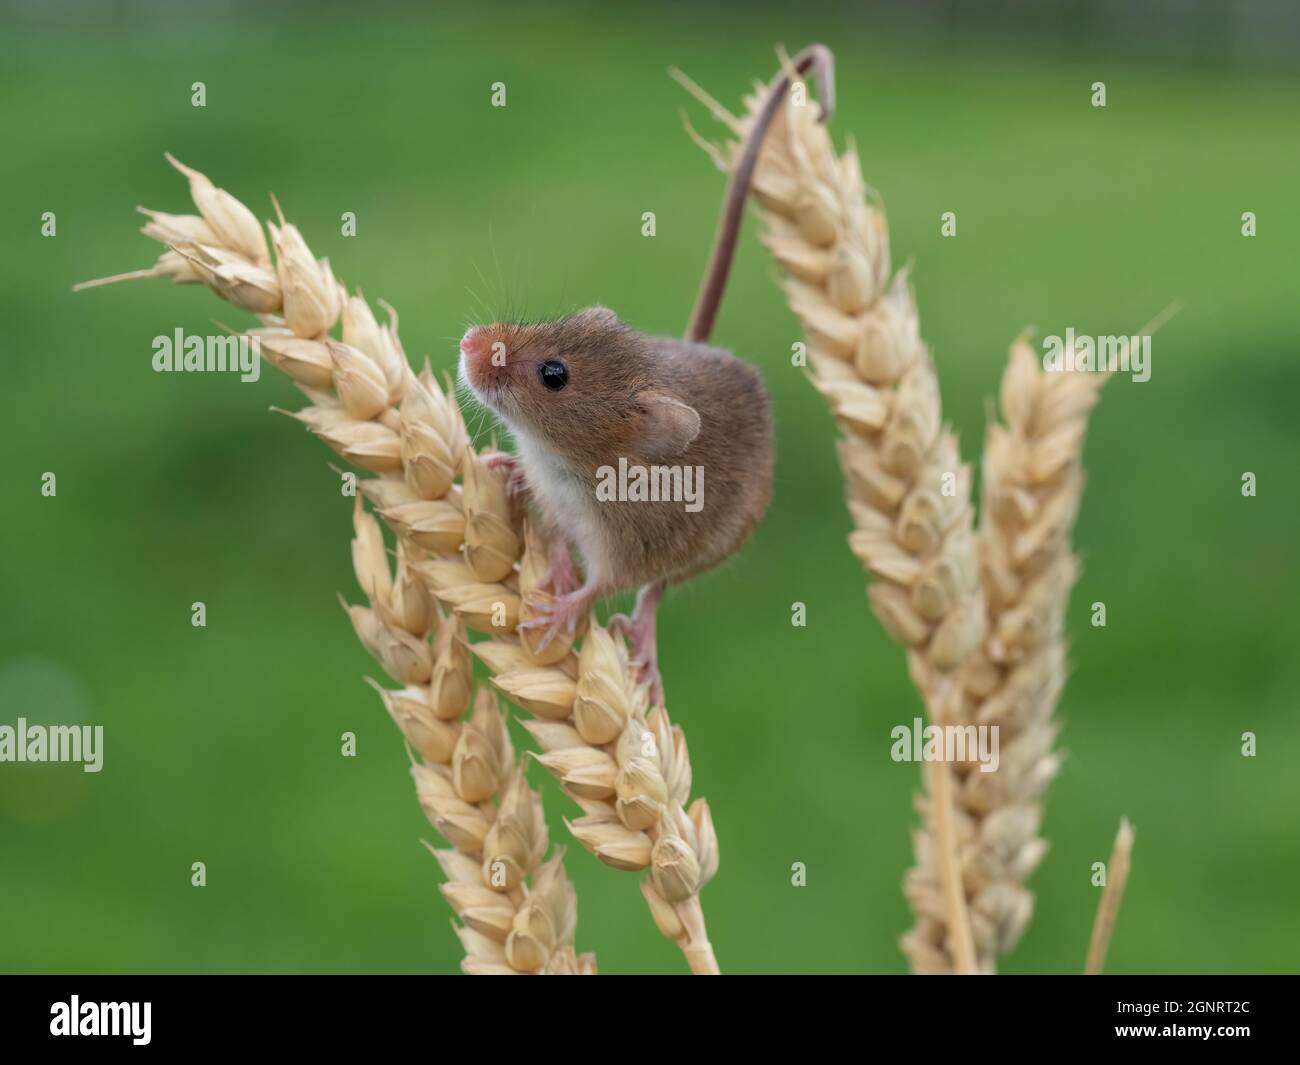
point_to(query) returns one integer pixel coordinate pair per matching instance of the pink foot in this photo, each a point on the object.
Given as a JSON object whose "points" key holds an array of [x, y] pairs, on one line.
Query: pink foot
{"points": [[643, 640], [564, 613], [561, 574]]}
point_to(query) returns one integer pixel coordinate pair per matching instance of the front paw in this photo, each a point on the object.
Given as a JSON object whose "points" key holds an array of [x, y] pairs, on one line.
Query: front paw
{"points": [[516, 481]]}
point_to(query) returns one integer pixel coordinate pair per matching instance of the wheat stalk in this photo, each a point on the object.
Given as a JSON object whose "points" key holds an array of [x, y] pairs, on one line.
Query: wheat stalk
{"points": [[624, 763], [908, 491]]}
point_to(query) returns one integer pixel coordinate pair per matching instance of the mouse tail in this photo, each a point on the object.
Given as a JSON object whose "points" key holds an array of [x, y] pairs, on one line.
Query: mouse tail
{"points": [[819, 59]]}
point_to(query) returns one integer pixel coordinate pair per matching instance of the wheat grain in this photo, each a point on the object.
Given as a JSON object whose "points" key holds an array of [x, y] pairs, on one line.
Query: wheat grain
{"points": [[621, 761]]}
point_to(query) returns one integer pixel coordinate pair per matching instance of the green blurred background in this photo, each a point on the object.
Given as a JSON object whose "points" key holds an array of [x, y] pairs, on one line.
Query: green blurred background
{"points": [[222, 744]]}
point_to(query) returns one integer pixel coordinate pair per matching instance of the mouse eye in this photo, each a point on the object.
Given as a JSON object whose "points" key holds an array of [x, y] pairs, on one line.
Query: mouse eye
{"points": [[554, 374]]}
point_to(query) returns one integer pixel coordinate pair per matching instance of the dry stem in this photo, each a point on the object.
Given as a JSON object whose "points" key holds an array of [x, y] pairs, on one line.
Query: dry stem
{"points": [[1111, 896]]}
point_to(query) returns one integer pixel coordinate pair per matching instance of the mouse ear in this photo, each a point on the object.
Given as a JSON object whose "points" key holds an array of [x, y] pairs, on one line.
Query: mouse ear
{"points": [[667, 424]]}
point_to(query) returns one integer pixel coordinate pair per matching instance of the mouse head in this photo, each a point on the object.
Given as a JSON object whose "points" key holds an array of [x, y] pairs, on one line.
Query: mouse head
{"points": [[587, 387]]}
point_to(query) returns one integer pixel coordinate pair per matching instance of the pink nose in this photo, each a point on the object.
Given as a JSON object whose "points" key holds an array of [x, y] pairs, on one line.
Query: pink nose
{"points": [[478, 352], [473, 343]]}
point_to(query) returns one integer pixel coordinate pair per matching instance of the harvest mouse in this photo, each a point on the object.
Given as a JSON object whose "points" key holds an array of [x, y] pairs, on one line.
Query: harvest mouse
{"points": [[652, 456]]}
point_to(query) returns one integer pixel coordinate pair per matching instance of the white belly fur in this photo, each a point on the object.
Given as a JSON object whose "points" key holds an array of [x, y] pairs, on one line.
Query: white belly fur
{"points": [[568, 503]]}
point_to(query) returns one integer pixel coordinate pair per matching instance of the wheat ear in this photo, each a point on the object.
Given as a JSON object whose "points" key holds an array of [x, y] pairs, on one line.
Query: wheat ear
{"points": [[1033, 482], [1033, 485], [908, 491], [622, 762]]}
